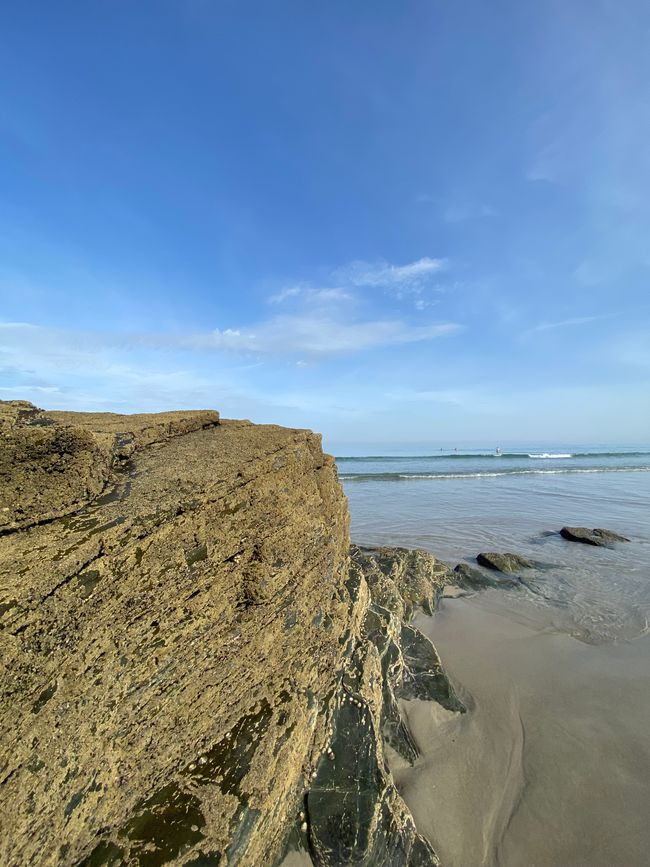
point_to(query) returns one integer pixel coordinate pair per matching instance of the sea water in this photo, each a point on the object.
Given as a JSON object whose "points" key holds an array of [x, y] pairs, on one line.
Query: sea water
{"points": [[550, 766], [457, 504]]}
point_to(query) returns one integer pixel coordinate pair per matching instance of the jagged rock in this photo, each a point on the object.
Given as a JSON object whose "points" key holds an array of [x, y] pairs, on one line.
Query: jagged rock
{"points": [[354, 814], [477, 580], [52, 464], [401, 579], [508, 563], [410, 664], [166, 651], [597, 536], [179, 623]]}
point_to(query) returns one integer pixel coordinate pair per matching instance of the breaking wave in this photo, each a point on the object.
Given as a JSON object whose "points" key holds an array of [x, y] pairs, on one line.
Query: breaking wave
{"points": [[446, 456], [395, 477], [546, 455]]}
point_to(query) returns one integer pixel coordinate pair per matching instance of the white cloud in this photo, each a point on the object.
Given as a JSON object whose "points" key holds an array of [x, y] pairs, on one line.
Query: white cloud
{"points": [[309, 295], [566, 323], [315, 335], [385, 275], [284, 294]]}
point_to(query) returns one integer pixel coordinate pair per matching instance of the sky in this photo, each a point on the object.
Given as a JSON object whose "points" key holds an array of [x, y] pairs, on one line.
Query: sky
{"points": [[420, 221]]}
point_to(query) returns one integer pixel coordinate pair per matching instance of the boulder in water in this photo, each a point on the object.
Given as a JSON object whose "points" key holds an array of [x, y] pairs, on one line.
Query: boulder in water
{"points": [[475, 579], [507, 563], [597, 536]]}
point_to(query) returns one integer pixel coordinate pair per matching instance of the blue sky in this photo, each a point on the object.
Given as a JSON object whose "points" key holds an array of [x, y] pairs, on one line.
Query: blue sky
{"points": [[413, 221]]}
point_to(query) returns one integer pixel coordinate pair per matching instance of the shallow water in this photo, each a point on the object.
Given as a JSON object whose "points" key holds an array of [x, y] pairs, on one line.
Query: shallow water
{"points": [[596, 594], [550, 766]]}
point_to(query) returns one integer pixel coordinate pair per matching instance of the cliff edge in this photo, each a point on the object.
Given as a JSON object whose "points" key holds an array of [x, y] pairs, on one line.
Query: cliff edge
{"points": [[195, 667]]}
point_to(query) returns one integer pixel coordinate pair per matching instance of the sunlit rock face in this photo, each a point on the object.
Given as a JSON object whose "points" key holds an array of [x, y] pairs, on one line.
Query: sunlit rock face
{"points": [[194, 669]]}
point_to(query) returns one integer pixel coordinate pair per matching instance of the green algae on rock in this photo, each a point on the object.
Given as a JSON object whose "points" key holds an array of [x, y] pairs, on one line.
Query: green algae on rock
{"points": [[181, 619], [507, 563], [597, 536]]}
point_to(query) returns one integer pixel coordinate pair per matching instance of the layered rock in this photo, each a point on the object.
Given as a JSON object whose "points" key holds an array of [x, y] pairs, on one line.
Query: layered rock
{"points": [[52, 464], [188, 660], [353, 812]]}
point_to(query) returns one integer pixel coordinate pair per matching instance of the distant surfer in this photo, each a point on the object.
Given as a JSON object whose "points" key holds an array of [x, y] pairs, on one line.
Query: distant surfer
{"points": [[497, 451]]}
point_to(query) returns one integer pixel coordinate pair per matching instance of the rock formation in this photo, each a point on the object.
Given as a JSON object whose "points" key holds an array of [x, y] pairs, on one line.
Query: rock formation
{"points": [[475, 579], [508, 563], [597, 536], [191, 656]]}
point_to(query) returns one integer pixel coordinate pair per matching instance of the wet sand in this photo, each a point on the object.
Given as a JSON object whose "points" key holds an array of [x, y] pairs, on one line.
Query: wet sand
{"points": [[551, 764]]}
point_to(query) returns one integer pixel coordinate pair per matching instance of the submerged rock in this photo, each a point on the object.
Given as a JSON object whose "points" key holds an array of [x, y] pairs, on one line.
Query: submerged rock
{"points": [[475, 579], [597, 536], [507, 563]]}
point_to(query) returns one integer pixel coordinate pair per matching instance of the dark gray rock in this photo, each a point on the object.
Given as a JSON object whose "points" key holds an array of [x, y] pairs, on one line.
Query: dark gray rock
{"points": [[507, 563], [597, 536], [354, 814], [475, 579]]}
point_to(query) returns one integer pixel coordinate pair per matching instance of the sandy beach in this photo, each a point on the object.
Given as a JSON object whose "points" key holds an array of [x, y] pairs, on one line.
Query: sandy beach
{"points": [[550, 764]]}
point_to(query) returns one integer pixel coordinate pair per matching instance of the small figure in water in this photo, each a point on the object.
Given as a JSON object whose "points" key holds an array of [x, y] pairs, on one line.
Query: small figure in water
{"points": [[497, 451]]}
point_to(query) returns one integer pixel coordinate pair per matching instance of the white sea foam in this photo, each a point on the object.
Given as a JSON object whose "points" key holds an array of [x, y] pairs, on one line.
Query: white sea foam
{"points": [[546, 455], [520, 473], [386, 477]]}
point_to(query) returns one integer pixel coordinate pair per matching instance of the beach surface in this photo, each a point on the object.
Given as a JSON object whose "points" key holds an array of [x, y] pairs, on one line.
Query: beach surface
{"points": [[550, 765]]}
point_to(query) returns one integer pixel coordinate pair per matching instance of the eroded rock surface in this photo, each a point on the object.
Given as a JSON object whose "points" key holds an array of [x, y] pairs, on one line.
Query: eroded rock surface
{"points": [[188, 660], [52, 464], [475, 579], [353, 813], [597, 536], [508, 563]]}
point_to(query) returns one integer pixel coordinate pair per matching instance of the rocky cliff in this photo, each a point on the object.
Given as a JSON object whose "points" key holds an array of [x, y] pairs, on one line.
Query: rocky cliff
{"points": [[196, 668]]}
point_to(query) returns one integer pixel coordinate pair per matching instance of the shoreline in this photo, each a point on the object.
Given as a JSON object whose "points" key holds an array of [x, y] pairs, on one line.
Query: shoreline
{"points": [[200, 664], [515, 779]]}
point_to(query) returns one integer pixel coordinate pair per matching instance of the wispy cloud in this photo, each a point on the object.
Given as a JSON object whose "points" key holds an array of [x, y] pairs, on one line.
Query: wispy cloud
{"points": [[307, 294], [567, 323], [308, 335], [385, 275]]}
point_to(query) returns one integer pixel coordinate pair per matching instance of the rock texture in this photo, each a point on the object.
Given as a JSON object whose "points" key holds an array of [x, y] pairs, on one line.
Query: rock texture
{"points": [[475, 579], [54, 463], [597, 536], [508, 563], [190, 658], [353, 813]]}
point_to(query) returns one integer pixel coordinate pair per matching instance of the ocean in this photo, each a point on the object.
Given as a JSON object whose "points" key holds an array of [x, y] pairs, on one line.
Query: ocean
{"points": [[458, 504], [551, 764]]}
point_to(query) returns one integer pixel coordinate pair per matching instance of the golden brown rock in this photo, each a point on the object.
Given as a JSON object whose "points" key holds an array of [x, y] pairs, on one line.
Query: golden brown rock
{"points": [[165, 650], [54, 463], [190, 668]]}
